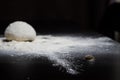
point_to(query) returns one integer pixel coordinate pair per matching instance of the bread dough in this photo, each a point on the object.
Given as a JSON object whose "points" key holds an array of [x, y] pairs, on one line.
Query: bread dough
{"points": [[20, 31]]}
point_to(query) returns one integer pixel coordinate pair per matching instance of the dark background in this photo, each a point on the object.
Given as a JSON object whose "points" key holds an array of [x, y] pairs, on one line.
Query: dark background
{"points": [[56, 16]]}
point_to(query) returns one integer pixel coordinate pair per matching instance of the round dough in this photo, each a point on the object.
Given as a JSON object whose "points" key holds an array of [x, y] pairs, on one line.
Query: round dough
{"points": [[20, 31]]}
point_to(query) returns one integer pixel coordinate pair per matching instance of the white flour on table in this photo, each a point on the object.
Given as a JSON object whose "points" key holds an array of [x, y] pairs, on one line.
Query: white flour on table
{"points": [[54, 46]]}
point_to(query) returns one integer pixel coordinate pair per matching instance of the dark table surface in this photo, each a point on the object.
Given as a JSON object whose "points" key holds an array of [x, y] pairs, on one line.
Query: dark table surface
{"points": [[98, 61]]}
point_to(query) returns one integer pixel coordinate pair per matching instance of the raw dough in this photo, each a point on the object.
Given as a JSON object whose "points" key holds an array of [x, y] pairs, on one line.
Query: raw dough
{"points": [[20, 31]]}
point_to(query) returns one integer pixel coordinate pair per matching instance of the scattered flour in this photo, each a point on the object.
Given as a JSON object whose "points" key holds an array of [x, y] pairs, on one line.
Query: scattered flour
{"points": [[53, 47], [50, 44]]}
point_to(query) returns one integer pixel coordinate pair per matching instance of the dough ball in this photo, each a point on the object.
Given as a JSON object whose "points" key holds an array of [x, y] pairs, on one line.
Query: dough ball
{"points": [[20, 31]]}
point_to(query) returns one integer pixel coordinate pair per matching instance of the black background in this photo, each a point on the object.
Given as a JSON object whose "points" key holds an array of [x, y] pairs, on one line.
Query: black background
{"points": [[49, 16]]}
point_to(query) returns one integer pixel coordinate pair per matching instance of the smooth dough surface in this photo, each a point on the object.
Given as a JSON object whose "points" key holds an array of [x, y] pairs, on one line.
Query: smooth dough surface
{"points": [[20, 31]]}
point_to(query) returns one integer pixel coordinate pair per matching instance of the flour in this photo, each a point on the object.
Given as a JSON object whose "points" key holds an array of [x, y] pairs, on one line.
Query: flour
{"points": [[50, 44], [55, 46]]}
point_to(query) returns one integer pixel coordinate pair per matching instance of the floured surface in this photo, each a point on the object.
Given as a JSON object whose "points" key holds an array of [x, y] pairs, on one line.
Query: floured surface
{"points": [[61, 49]]}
